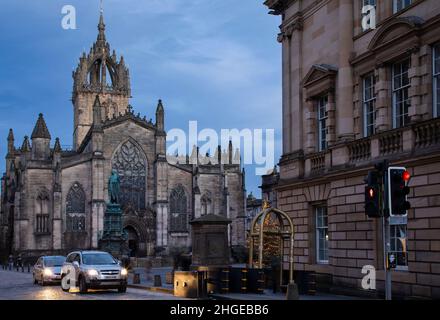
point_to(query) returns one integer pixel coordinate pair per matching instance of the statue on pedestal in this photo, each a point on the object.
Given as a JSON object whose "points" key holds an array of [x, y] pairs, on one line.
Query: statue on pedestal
{"points": [[114, 184]]}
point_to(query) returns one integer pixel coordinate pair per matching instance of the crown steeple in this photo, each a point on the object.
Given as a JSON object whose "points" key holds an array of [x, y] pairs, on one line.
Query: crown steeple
{"points": [[99, 73]]}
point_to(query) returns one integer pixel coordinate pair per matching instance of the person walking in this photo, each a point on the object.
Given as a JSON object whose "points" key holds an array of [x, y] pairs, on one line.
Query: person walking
{"points": [[11, 262]]}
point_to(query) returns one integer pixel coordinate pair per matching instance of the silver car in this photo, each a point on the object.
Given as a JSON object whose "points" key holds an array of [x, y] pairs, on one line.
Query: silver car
{"points": [[47, 269], [93, 270]]}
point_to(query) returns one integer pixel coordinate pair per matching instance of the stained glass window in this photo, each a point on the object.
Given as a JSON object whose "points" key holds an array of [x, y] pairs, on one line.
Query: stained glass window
{"points": [[76, 209], [178, 210], [130, 164]]}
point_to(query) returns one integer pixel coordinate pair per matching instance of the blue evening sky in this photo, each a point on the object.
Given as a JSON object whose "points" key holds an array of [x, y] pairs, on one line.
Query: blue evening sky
{"points": [[214, 61]]}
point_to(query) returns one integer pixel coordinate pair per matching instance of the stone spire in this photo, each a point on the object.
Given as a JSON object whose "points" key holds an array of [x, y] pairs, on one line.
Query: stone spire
{"points": [[57, 146], [11, 141], [97, 116], [26, 146], [40, 130], [101, 30], [160, 116]]}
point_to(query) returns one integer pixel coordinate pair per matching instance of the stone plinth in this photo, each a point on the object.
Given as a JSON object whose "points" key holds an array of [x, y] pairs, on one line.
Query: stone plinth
{"points": [[113, 239], [210, 241]]}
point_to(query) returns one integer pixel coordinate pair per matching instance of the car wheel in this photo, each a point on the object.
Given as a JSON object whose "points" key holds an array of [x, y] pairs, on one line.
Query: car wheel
{"points": [[82, 285], [62, 288], [122, 289], [35, 279]]}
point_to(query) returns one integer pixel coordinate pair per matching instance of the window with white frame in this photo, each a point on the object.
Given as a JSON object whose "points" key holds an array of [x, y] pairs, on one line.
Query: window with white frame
{"points": [[369, 102], [321, 234], [436, 80], [401, 100], [399, 241], [400, 5], [322, 123]]}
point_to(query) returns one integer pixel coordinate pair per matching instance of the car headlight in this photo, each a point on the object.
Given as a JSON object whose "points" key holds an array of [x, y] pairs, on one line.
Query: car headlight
{"points": [[124, 272], [47, 272], [92, 273]]}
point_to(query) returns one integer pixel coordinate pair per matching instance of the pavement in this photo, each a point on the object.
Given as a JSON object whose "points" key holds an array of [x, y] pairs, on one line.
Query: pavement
{"points": [[19, 286], [147, 283]]}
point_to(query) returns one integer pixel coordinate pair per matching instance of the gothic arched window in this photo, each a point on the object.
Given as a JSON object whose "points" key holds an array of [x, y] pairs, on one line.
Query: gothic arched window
{"points": [[178, 210], [76, 209], [42, 213], [206, 204], [130, 164]]}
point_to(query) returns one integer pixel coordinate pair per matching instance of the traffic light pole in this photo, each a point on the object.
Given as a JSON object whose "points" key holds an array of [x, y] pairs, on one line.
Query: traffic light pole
{"points": [[386, 231]]}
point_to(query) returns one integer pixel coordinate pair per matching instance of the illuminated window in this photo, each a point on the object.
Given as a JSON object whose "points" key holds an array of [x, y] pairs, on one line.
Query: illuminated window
{"points": [[398, 239]]}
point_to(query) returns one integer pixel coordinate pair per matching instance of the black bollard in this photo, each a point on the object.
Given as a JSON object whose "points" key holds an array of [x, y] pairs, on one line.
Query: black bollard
{"points": [[157, 280], [22, 269], [10, 267], [29, 268]]}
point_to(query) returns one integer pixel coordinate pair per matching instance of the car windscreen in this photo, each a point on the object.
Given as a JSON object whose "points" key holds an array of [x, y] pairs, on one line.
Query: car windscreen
{"points": [[97, 259], [54, 261]]}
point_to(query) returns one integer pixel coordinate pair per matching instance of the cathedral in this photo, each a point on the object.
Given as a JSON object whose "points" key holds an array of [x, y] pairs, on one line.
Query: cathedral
{"points": [[54, 200]]}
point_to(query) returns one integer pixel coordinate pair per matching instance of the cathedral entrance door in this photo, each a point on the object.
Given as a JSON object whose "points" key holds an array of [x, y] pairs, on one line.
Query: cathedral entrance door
{"points": [[133, 240]]}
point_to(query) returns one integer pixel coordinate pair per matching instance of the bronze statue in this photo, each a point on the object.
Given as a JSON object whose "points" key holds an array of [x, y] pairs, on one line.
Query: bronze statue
{"points": [[113, 187]]}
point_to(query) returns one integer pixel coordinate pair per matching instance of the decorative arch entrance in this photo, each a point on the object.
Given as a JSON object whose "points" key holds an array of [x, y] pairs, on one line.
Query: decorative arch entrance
{"points": [[269, 225]]}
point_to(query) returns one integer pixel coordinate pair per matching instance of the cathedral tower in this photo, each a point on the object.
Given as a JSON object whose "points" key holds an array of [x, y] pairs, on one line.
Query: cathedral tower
{"points": [[98, 73]]}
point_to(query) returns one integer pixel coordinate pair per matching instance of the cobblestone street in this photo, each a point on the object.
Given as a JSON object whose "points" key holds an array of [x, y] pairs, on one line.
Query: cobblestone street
{"points": [[19, 286]]}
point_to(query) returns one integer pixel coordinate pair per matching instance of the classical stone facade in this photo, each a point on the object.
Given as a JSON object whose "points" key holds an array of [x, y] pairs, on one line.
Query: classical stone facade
{"points": [[351, 98], [53, 200]]}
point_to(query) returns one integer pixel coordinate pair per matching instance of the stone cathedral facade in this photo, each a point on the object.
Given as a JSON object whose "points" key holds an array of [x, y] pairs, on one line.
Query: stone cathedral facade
{"points": [[53, 200]]}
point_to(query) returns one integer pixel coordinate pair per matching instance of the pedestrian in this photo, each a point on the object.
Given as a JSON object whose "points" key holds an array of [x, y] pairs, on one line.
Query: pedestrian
{"points": [[19, 261], [11, 262]]}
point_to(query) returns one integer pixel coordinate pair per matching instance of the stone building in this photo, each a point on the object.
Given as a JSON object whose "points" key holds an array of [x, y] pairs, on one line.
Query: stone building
{"points": [[53, 200], [354, 95]]}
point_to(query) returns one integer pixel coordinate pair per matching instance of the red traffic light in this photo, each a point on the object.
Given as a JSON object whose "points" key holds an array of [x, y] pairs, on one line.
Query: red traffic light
{"points": [[406, 176]]}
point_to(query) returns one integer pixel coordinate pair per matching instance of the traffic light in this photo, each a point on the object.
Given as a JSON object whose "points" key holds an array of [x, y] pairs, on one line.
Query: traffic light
{"points": [[373, 208], [398, 190]]}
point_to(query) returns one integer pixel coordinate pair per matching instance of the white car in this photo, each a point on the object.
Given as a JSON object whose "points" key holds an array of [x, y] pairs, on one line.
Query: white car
{"points": [[93, 270], [47, 269]]}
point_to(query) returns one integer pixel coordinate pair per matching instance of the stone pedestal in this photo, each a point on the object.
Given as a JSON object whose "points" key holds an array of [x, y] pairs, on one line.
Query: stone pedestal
{"points": [[113, 239], [210, 241], [210, 251]]}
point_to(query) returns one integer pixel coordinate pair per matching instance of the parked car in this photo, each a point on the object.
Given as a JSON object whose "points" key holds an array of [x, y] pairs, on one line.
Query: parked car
{"points": [[93, 270], [47, 269]]}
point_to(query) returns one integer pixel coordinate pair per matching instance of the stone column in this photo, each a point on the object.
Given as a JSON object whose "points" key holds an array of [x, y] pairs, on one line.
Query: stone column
{"points": [[99, 182], [358, 108], [345, 78], [162, 225], [331, 121], [286, 80], [311, 126], [56, 220], [415, 90], [295, 88], [383, 106]]}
